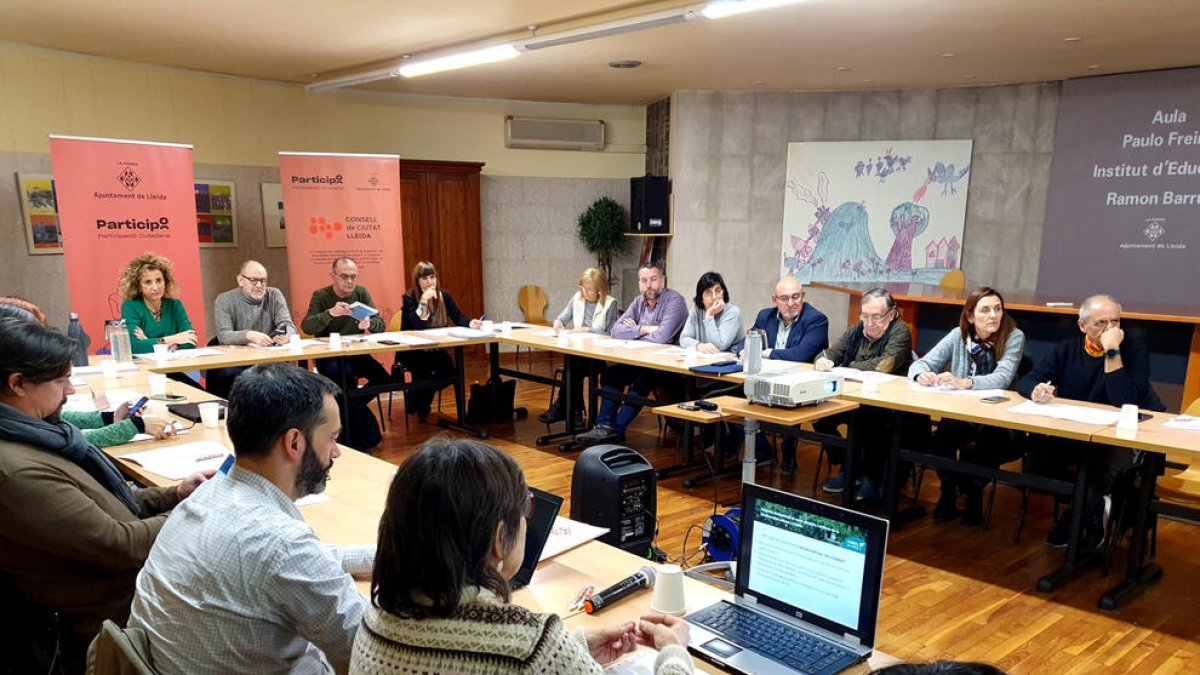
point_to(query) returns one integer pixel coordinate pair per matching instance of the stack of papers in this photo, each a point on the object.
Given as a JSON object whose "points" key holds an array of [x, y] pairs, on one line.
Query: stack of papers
{"points": [[566, 534], [947, 389], [183, 354], [95, 370], [1186, 422], [180, 461], [1065, 411]]}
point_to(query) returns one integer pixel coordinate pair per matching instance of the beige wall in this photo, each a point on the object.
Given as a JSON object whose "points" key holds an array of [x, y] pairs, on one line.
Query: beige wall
{"points": [[246, 122]]}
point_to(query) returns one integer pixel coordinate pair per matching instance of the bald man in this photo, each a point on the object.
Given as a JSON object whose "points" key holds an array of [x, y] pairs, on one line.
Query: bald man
{"points": [[1102, 364], [251, 314]]}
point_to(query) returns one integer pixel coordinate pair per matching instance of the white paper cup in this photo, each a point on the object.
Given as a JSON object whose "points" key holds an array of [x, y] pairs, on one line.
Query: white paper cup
{"points": [[294, 343], [487, 325], [668, 591], [335, 340], [210, 414], [1127, 420], [160, 352], [506, 328], [108, 368], [158, 384]]}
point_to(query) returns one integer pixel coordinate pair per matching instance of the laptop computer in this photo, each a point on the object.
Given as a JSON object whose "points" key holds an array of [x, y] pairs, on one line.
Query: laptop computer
{"points": [[806, 595], [537, 531]]}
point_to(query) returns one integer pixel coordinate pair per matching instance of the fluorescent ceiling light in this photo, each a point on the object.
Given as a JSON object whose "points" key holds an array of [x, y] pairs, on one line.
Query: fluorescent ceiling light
{"points": [[608, 29], [720, 9], [474, 57], [352, 79]]}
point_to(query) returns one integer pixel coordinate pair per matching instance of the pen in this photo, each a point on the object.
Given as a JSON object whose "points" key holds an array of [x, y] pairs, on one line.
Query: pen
{"points": [[584, 593], [482, 316], [205, 458]]}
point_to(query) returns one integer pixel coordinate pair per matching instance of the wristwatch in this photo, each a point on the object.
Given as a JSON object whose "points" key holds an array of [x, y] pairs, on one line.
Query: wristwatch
{"points": [[161, 341], [1112, 353]]}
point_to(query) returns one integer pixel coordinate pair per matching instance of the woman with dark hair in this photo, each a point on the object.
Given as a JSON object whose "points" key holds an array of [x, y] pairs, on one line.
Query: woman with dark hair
{"points": [[440, 592], [983, 353], [713, 325], [152, 313], [427, 306]]}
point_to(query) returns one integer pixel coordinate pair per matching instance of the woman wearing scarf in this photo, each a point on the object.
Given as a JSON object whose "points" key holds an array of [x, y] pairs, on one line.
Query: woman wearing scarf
{"points": [[983, 353], [73, 535]]}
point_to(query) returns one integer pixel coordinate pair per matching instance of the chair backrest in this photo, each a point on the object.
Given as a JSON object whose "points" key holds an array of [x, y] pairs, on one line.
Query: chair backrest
{"points": [[394, 324], [532, 300], [120, 651], [1193, 409], [954, 280]]}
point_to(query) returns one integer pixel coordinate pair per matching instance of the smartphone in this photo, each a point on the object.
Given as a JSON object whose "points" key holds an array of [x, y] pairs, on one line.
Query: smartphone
{"points": [[133, 409], [391, 343], [993, 400], [689, 406], [706, 405], [1142, 417]]}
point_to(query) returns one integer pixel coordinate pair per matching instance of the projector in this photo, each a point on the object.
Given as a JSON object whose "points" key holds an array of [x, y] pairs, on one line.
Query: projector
{"points": [[788, 389]]}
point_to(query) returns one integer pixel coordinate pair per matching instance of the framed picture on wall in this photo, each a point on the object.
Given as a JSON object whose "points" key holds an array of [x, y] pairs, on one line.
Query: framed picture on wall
{"points": [[39, 212], [215, 220], [273, 225]]}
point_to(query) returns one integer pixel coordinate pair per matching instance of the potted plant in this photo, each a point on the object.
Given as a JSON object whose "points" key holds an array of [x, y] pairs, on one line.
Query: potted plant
{"points": [[602, 231]]}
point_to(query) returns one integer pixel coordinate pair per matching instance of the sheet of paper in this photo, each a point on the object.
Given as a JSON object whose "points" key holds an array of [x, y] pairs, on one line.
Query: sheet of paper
{"points": [[776, 365], [1066, 411], [180, 430], [183, 354], [85, 402], [640, 662], [1186, 422], [95, 370], [975, 393], [469, 333], [284, 347], [180, 461], [410, 340], [566, 534], [611, 343]]}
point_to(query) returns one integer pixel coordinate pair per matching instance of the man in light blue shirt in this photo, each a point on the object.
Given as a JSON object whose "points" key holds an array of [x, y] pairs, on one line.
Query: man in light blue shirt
{"points": [[237, 582]]}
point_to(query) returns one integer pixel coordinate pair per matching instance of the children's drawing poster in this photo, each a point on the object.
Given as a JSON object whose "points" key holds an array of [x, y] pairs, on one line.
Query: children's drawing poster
{"points": [[875, 211]]}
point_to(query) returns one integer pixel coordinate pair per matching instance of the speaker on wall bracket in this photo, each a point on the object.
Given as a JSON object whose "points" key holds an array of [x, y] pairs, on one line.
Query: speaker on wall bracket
{"points": [[649, 199]]}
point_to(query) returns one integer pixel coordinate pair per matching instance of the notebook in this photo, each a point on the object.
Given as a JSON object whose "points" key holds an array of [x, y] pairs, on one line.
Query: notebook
{"points": [[537, 531], [806, 596]]}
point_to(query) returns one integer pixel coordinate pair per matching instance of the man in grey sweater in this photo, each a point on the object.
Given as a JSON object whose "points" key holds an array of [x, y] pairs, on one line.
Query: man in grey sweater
{"points": [[251, 314]]}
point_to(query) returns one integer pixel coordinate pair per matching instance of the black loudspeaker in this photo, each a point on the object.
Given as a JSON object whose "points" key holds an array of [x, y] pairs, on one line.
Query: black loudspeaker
{"points": [[613, 486], [649, 197]]}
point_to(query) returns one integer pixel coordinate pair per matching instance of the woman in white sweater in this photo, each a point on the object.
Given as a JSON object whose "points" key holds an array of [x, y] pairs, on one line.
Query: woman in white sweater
{"points": [[592, 310], [982, 353], [713, 325]]}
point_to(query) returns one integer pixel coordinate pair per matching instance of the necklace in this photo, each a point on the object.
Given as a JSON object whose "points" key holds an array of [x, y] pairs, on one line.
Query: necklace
{"points": [[156, 313]]}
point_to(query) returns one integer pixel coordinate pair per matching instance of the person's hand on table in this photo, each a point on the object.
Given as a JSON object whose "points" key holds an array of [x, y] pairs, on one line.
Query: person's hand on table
{"points": [[158, 427], [823, 365], [558, 326], [927, 379], [256, 338], [1042, 393], [707, 348], [280, 339], [658, 631], [187, 337], [646, 330], [340, 309], [188, 485], [476, 324], [608, 644], [949, 380], [629, 322]]}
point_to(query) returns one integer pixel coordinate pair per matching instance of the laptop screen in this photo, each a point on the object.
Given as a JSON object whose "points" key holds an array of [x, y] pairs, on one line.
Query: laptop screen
{"points": [[537, 531], [812, 560]]}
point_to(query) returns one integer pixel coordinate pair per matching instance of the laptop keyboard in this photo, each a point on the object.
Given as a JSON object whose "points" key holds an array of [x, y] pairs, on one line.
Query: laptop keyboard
{"points": [[768, 636]]}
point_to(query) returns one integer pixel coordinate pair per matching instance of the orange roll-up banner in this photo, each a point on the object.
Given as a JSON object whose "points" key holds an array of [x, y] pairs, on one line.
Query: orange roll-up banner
{"points": [[117, 200], [343, 205]]}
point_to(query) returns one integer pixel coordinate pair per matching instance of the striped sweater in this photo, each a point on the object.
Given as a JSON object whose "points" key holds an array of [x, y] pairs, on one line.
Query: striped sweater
{"points": [[483, 635]]}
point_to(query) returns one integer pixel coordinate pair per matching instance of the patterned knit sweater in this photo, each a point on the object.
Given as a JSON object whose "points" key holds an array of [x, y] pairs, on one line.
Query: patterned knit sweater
{"points": [[483, 636]]}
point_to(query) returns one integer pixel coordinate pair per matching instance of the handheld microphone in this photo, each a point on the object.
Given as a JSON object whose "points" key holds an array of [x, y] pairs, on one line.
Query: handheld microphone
{"points": [[643, 578]]}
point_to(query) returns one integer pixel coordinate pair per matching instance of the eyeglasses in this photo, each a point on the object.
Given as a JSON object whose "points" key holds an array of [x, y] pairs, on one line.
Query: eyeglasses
{"points": [[714, 292], [587, 291], [875, 318], [254, 281], [348, 278], [527, 507], [794, 297]]}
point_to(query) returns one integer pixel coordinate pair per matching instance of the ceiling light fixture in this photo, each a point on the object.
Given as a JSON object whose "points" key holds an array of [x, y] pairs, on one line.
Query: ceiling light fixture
{"points": [[474, 57], [719, 9], [352, 79], [608, 29]]}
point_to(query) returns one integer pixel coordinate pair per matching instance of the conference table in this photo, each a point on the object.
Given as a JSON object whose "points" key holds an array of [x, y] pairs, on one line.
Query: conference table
{"points": [[349, 510], [910, 297], [352, 345]]}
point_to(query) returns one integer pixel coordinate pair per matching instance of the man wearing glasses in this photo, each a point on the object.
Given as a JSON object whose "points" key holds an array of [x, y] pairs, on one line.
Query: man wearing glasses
{"points": [[879, 342], [251, 314], [795, 330], [329, 312]]}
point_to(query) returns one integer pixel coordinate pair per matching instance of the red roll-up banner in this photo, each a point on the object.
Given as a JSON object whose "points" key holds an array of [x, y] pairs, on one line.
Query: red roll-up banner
{"points": [[343, 205], [118, 199]]}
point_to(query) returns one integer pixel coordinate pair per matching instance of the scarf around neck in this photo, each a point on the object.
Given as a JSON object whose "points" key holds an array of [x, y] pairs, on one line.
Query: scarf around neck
{"points": [[62, 438]]}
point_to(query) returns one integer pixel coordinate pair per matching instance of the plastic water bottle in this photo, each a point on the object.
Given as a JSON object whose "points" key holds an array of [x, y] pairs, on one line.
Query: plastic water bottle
{"points": [[118, 340], [753, 351], [75, 330]]}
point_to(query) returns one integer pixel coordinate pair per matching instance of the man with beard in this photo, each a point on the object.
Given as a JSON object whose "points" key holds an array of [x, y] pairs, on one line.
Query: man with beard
{"points": [[72, 533], [251, 314], [238, 582], [657, 315]]}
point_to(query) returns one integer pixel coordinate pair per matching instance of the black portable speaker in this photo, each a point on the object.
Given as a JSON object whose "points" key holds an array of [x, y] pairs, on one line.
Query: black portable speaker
{"points": [[648, 198], [614, 487]]}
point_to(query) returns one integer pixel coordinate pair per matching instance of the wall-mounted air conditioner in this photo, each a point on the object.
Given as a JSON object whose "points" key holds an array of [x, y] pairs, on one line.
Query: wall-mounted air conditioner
{"points": [[543, 133]]}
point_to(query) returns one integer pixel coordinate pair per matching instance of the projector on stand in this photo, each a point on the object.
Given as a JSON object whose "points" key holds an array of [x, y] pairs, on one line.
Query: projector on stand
{"points": [[792, 388]]}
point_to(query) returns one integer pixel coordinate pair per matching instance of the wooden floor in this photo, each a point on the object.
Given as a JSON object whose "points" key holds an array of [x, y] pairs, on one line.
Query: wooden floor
{"points": [[950, 592]]}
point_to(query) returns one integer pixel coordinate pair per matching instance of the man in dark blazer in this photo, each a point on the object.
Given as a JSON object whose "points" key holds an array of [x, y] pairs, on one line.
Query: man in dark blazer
{"points": [[795, 330]]}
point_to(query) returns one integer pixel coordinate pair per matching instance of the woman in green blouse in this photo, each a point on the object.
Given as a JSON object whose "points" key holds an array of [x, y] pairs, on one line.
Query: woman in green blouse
{"points": [[152, 313]]}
